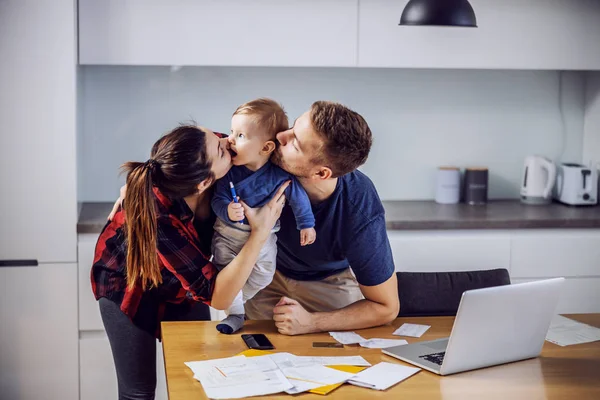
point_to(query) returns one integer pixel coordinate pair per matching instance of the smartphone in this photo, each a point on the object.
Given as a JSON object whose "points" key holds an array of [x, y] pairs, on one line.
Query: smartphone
{"points": [[257, 341]]}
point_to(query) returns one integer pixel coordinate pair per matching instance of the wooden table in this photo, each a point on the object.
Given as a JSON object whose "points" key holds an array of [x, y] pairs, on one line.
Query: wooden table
{"points": [[571, 372]]}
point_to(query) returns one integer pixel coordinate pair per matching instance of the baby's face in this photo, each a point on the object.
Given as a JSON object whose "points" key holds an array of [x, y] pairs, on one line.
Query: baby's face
{"points": [[246, 141]]}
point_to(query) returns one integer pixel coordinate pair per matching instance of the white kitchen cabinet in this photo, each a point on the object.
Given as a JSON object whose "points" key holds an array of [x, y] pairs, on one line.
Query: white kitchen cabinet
{"points": [[38, 332], [527, 254], [37, 131], [549, 253], [98, 379], [512, 34], [578, 295], [440, 251], [228, 32]]}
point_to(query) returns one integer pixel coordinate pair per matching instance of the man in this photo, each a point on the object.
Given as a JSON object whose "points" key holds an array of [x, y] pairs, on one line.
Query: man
{"points": [[346, 279]]}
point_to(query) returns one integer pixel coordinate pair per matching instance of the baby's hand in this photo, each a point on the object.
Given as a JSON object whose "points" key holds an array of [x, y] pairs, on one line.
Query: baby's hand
{"points": [[307, 236], [235, 211]]}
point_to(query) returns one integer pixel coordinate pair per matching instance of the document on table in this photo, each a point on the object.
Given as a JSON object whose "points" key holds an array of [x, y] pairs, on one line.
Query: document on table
{"points": [[382, 343], [347, 337], [237, 377], [565, 331], [382, 376], [312, 377], [414, 330], [288, 360]]}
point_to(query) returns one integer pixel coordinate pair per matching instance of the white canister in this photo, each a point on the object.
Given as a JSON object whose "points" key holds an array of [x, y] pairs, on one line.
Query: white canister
{"points": [[447, 189]]}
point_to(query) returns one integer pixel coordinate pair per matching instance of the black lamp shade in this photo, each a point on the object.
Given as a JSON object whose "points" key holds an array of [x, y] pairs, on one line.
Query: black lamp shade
{"points": [[439, 12]]}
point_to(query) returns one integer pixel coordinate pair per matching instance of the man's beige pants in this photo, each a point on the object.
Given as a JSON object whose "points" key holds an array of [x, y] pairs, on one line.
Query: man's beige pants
{"points": [[332, 293]]}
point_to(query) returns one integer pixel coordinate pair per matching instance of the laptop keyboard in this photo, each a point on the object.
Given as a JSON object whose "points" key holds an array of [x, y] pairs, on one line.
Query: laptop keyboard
{"points": [[435, 358]]}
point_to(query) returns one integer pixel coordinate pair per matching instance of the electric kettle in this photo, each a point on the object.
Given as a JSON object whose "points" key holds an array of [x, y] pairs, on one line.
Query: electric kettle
{"points": [[539, 176]]}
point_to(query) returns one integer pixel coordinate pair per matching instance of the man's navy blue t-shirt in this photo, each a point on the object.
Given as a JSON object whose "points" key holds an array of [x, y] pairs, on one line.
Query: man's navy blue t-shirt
{"points": [[351, 232]]}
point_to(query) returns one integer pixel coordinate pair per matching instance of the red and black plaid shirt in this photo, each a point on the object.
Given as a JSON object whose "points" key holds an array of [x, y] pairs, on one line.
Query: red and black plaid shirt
{"points": [[184, 261]]}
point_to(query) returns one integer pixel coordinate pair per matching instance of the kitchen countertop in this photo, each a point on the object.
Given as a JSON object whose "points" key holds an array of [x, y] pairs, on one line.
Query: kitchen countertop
{"points": [[428, 215]]}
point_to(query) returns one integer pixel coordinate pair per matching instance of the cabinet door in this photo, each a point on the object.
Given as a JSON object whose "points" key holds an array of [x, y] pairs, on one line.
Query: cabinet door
{"points": [[37, 131], [97, 375], [38, 331], [226, 32], [562, 252], [578, 295], [441, 251], [512, 34]]}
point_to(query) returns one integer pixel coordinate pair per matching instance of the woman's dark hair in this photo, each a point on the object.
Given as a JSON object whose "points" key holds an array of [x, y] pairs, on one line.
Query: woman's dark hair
{"points": [[178, 163]]}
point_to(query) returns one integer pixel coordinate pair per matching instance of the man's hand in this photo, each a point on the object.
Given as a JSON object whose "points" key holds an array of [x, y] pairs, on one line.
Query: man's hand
{"points": [[291, 318], [235, 211], [307, 236]]}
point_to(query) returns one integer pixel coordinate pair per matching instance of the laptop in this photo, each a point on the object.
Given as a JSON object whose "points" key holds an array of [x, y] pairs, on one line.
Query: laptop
{"points": [[493, 326]]}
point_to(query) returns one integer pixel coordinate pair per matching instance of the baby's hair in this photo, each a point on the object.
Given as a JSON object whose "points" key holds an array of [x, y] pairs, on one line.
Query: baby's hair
{"points": [[267, 114]]}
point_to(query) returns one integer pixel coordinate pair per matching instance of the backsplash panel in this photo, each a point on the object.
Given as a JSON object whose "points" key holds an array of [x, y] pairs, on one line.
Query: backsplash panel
{"points": [[420, 118]]}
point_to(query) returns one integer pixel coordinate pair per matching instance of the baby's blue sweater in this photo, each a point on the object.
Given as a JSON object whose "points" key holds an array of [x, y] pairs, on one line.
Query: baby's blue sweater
{"points": [[256, 188]]}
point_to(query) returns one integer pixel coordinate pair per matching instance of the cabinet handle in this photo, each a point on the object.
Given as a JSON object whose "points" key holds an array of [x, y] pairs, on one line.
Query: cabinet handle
{"points": [[18, 263]]}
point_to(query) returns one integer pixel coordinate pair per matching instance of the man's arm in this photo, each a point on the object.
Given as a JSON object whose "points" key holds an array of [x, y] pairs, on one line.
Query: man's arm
{"points": [[380, 306], [371, 259]]}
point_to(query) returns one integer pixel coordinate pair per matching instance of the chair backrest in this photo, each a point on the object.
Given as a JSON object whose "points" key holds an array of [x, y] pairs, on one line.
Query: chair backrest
{"points": [[438, 293]]}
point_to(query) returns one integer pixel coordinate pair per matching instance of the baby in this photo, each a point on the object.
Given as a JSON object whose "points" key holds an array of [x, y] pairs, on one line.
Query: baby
{"points": [[255, 179]]}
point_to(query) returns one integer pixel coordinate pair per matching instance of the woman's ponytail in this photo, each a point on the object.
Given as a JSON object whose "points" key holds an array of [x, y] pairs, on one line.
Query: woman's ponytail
{"points": [[141, 225]]}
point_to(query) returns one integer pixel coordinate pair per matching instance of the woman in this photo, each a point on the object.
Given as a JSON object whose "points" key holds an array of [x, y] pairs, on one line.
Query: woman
{"points": [[150, 259]]}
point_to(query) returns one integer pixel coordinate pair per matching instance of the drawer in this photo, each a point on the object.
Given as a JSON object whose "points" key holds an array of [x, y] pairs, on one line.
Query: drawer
{"points": [[569, 253], [441, 251]]}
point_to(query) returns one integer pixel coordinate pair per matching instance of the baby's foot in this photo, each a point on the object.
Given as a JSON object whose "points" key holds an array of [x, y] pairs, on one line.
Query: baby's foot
{"points": [[231, 324]]}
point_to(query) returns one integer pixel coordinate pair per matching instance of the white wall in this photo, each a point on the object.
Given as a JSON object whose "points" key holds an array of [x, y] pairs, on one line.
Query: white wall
{"points": [[420, 118], [591, 137]]}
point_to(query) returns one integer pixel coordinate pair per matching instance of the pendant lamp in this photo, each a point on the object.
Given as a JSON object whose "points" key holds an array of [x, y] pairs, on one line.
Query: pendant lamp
{"points": [[439, 13]]}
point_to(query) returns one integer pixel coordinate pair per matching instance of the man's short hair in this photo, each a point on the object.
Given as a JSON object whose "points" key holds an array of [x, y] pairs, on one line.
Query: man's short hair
{"points": [[346, 135], [268, 115]]}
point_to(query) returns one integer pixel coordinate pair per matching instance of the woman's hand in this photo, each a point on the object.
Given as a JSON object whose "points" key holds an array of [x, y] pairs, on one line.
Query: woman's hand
{"points": [[263, 219], [118, 202]]}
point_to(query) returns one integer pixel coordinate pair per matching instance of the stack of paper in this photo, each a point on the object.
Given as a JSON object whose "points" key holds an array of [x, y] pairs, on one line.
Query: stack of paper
{"points": [[241, 376], [382, 376], [288, 360], [354, 338], [312, 377], [564, 332], [236, 377]]}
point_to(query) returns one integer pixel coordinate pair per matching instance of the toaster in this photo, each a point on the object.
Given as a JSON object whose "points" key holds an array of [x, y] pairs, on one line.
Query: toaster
{"points": [[576, 184]]}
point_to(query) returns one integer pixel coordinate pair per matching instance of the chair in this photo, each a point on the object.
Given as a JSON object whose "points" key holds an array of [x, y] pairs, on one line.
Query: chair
{"points": [[424, 294]]}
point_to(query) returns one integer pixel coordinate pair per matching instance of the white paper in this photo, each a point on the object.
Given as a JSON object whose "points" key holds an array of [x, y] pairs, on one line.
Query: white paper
{"points": [[382, 343], [263, 363], [414, 330], [276, 383], [288, 360], [237, 377], [347, 337], [313, 376], [564, 332], [382, 376], [358, 361], [224, 376], [285, 360]]}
